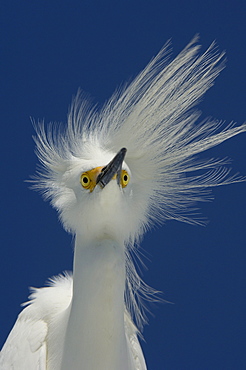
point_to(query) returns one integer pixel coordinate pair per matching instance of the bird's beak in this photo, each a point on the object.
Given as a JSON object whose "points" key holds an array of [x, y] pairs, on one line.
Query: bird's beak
{"points": [[113, 169]]}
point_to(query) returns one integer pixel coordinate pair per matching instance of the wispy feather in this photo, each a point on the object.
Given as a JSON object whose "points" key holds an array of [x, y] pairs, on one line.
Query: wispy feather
{"points": [[155, 118]]}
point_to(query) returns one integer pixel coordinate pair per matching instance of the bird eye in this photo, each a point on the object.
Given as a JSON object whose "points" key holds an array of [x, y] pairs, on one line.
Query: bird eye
{"points": [[85, 180], [125, 178]]}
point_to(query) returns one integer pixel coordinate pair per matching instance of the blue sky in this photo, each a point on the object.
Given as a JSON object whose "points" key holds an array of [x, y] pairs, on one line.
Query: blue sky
{"points": [[48, 50]]}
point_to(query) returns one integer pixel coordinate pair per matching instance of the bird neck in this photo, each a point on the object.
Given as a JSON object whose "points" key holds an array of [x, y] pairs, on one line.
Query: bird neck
{"points": [[95, 337]]}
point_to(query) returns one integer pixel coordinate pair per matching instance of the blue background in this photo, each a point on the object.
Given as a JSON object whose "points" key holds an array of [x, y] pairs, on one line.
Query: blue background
{"points": [[48, 50]]}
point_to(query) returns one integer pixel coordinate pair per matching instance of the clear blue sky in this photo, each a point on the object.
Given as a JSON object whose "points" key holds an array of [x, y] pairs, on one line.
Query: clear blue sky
{"points": [[48, 50]]}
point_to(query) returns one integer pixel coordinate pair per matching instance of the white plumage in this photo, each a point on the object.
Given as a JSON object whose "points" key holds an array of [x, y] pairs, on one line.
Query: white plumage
{"points": [[107, 197]]}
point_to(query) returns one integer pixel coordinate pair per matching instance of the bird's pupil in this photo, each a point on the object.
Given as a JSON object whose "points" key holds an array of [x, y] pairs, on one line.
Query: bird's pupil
{"points": [[125, 177], [85, 180]]}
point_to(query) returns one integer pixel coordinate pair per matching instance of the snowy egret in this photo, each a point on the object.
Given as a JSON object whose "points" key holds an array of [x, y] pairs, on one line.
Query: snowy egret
{"points": [[110, 175]]}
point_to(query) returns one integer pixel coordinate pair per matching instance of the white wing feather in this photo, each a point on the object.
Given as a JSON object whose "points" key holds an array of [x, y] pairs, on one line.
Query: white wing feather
{"points": [[26, 345], [133, 342]]}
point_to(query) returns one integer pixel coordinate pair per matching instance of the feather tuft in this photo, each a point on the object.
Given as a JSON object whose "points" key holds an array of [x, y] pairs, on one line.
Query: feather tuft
{"points": [[154, 118]]}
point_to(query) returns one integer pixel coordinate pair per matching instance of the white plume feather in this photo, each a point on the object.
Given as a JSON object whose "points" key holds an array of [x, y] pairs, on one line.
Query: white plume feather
{"points": [[153, 119]]}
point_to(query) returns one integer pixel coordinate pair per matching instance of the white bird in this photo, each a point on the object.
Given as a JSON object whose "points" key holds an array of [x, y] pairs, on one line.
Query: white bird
{"points": [[111, 174]]}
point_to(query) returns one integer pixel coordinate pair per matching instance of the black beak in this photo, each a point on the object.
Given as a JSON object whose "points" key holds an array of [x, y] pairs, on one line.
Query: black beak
{"points": [[113, 168]]}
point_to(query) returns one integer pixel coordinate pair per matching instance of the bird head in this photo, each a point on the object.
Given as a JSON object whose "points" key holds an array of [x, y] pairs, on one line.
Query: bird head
{"points": [[91, 185], [99, 194]]}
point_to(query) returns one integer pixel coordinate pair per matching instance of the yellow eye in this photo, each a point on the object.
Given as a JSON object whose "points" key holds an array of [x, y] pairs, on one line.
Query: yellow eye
{"points": [[85, 180], [125, 178]]}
